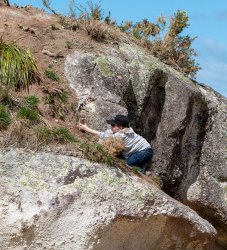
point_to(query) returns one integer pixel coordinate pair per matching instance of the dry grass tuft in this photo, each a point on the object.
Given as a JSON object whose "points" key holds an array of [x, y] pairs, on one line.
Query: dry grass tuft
{"points": [[20, 133], [114, 145], [98, 30]]}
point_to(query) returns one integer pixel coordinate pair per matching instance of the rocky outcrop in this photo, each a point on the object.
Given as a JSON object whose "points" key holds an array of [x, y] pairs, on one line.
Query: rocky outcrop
{"points": [[184, 121], [51, 201], [190, 151]]}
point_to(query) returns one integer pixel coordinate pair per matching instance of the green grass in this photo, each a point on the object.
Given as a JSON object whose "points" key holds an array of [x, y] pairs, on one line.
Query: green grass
{"points": [[4, 117], [93, 151], [31, 102], [63, 135], [136, 169], [29, 114], [59, 134], [28, 109], [52, 75]]}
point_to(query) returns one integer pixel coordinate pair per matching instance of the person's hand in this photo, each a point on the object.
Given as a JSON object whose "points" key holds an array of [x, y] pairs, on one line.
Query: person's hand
{"points": [[83, 127]]}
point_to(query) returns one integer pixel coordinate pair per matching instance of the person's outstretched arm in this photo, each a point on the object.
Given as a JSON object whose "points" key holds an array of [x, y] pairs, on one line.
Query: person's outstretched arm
{"points": [[85, 128]]}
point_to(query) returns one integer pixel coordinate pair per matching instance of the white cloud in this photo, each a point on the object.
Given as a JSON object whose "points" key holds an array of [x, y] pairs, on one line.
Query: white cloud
{"points": [[214, 74], [210, 43], [212, 57], [214, 48]]}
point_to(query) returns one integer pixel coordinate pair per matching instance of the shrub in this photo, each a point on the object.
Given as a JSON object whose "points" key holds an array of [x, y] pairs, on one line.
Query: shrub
{"points": [[94, 11], [17, 67], [145, 30], [175, 49], [93, 23], [97, 30], [114, 145], [4, 118], [166, 43], [96, 152], [126, 26]]}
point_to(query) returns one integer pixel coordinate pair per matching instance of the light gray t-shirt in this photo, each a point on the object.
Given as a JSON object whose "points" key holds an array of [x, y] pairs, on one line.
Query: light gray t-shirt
{"points": [[133, 142]]}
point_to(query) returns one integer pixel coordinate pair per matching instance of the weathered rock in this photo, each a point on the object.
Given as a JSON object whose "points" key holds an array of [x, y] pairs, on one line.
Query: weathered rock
{"points": [[51, 201], [100, 84], [184, 121]]}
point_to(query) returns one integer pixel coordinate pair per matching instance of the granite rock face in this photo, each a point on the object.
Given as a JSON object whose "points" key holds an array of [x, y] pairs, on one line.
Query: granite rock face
{"points": [[51, 201], [100, 84], [184, 121]]}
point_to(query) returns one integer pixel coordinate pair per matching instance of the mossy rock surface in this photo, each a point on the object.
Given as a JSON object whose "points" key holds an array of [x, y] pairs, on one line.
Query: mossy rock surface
{"points": [[68, 203]]}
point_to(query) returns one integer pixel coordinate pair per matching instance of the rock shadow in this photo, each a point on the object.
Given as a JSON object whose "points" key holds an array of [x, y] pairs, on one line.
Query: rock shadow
{"points": [[145, 121], [183, 167]]}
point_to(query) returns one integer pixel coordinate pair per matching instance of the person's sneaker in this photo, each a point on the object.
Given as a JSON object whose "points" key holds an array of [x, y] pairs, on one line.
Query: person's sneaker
{"points": [[143, 169], [148, 173]]}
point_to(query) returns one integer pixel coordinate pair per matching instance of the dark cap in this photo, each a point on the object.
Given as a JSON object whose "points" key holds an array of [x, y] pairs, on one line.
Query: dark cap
{"points": [[120, 120]]}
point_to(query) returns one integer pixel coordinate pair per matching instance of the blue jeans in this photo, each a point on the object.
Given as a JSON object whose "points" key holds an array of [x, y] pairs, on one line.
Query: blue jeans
{"points": [[140, 158]]}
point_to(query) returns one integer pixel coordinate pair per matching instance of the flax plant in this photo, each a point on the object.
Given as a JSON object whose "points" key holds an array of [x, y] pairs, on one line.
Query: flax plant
{"points": [[18, 68]]}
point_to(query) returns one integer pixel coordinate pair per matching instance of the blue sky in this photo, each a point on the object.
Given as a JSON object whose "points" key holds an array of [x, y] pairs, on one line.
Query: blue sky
{"points": [[207, 18]]}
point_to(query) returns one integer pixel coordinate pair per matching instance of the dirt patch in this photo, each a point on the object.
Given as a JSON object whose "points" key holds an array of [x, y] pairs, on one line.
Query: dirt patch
{"points": [[50, 42]]}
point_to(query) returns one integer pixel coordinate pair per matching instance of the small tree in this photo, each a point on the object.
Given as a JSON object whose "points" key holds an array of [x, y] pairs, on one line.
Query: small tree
{"points": [[167, 43], [175, 49]]}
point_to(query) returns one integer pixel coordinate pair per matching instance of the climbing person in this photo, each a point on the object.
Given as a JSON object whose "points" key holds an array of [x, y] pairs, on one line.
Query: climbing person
{"points": [[138, 151]]}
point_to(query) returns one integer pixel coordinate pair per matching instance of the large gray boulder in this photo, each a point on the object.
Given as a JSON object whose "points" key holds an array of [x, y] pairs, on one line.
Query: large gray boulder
{"points": [[184, 121], [51, 201]]}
